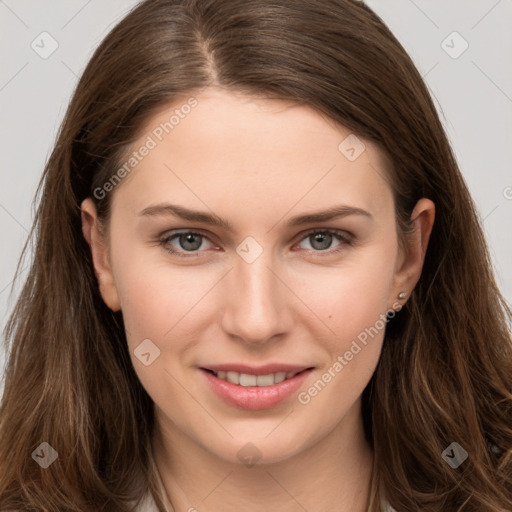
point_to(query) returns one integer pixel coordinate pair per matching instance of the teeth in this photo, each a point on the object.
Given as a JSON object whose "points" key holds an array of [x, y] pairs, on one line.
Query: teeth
{"points": [[246, 380], [233, 377], [279, 377], [264, 380]]}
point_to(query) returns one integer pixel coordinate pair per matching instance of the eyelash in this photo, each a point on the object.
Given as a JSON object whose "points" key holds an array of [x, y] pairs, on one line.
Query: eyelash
{"points": [[344, 237]]}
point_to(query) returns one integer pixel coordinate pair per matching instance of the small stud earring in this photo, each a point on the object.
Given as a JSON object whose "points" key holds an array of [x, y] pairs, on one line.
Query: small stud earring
{"points": [[402, 295]]}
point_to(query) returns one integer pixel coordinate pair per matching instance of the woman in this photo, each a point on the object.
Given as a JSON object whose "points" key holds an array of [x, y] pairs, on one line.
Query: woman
{"points": [[259, 281]]}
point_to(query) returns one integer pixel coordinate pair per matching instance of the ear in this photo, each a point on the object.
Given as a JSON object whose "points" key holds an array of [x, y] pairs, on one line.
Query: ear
{"points": [[92, 232], [412, 256]]}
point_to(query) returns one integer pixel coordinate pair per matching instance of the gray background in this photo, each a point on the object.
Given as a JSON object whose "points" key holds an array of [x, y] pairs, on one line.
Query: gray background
{"points": [[473, 93]]}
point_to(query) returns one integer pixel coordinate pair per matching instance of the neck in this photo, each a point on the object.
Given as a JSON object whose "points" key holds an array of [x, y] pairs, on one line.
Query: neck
{"points": [[333, 474]]}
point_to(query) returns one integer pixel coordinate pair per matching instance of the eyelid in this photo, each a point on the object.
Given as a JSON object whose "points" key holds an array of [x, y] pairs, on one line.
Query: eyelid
{"points": [[344, 235], [182, 231]]}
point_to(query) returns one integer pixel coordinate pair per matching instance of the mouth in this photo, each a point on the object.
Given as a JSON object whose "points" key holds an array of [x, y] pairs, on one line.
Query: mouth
{"points": [[255, 388]]}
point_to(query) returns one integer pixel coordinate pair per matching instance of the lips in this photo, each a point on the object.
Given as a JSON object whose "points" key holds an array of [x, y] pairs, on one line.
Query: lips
{"points": [[255, 388]]}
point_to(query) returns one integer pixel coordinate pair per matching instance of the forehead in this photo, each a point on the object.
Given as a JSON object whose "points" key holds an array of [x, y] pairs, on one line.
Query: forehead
{"points": [[224, 149]]}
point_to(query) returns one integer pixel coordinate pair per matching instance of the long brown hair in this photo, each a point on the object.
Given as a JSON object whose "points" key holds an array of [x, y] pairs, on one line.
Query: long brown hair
{"points": [[445, 371]]}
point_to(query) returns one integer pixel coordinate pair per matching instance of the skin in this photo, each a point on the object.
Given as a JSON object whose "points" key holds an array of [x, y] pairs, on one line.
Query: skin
{"points": [[256, 163]]}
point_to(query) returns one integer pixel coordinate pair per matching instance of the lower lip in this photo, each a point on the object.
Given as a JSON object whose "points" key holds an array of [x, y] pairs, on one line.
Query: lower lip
{"points": [[255, 398]]}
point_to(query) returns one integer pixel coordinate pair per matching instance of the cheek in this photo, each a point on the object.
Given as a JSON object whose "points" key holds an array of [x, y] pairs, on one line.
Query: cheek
{"points": [[353, 306], [362, 301], [352, 298], [355, 309], [155, 302], [157, 305], [170, 305]]}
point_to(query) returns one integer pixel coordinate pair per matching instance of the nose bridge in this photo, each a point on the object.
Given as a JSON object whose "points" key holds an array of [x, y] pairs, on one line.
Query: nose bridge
{"points": [[256, 307]]}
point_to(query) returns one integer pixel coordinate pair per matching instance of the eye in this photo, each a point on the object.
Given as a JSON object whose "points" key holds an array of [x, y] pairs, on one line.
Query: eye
{"points": [[321, 240], [188, 243], [183, 242]]}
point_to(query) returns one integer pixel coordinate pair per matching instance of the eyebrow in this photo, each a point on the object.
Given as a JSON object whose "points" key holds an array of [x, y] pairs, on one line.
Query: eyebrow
{"points": [[333, 212]]}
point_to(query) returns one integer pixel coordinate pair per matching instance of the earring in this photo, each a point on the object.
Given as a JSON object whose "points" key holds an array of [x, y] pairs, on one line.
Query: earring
{"points": [[402, 295]]}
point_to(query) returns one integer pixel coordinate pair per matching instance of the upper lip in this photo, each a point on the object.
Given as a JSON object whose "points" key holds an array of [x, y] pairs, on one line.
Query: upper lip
{"points": [[256, 370]]}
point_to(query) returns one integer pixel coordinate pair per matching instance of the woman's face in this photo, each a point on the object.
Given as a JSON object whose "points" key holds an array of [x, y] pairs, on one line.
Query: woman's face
{"points": [[252, 290]]}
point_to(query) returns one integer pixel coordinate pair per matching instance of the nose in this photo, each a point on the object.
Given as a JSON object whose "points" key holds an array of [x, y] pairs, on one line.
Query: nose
{"points": [[257, 302]]}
